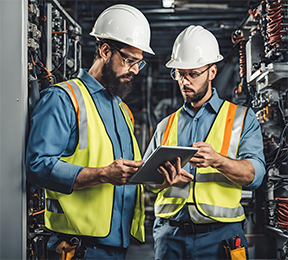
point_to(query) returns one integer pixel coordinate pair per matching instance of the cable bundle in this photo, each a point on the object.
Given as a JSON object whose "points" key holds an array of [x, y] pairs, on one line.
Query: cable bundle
{"points": [[279, 155], [282, 213], [238, 37], [274, 26], [276, 157]]}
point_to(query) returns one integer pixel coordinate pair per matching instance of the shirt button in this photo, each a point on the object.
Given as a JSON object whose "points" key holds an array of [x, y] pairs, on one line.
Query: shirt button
{"points": [[195, 119]]}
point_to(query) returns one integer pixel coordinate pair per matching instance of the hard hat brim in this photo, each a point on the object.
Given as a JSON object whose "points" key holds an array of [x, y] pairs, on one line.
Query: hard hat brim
{"points": [[138, 46], [188, 65]]}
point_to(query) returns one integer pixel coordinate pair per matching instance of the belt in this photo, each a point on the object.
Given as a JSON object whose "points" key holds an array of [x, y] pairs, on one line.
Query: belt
{"points": [[192, 228], [88, 242]]}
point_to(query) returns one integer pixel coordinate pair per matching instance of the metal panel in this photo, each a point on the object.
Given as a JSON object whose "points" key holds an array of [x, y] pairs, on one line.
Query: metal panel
{"points": [[49, 37], [13, 125]]}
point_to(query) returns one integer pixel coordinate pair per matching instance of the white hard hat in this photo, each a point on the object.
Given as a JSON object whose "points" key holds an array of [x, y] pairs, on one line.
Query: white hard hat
{"points": [[193, 48], [125, 24]]}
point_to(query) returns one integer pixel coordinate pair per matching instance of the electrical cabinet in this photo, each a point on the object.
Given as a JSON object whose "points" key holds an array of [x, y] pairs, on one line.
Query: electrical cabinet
{"points": [[263, 59], [13, 127], [40, 46]]}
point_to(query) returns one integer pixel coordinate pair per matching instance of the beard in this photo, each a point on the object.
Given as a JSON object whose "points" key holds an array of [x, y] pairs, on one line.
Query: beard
{"points": [[198, 95], [113, 84]]}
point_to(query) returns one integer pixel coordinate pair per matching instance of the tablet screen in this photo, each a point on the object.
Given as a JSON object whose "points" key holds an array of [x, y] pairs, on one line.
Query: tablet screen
{"points": [[148, 174]]}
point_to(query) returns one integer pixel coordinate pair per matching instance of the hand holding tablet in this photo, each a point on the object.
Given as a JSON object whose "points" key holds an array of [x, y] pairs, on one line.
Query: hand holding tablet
{"points": [[148, 174]]}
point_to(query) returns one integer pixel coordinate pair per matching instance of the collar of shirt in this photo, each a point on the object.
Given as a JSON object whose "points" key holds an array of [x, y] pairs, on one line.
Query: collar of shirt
{"points": [[214, 102], [93, 85]]}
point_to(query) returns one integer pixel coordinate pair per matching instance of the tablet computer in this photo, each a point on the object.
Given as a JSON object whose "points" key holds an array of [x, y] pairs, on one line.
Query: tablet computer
{"points": [[148, 174]]}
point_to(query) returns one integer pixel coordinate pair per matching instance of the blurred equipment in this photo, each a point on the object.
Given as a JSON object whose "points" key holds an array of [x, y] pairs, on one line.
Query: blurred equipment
{"points": [[54, 49], [54, 55], [263, 60]]}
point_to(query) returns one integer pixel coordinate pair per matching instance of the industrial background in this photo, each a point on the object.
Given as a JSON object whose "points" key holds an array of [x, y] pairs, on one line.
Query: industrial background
{"points": [[43, 42]]}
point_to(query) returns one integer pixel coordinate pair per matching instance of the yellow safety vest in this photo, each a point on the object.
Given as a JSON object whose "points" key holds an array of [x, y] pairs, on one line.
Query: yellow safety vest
{"points": [[88, 212], [213, 195]]}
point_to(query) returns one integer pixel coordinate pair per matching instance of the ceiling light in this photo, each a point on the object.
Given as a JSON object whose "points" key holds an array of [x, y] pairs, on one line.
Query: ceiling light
{"points": [[167, 3], [185, 5]]}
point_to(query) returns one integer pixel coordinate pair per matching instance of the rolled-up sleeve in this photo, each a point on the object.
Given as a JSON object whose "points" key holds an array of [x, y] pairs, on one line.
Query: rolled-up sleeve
{"points": [[53, 133], [259, 171]]}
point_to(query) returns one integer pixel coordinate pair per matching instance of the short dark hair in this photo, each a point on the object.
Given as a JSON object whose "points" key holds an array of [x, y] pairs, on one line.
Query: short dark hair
{"points": [[100, 42]]}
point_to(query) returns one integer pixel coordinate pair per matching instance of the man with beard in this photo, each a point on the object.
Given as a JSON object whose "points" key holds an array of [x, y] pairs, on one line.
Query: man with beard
{"points": [[82, 148], [198, 206]]}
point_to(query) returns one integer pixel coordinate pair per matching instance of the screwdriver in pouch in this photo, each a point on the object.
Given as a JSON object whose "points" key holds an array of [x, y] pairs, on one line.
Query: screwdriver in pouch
{"points": [[238, 241]]}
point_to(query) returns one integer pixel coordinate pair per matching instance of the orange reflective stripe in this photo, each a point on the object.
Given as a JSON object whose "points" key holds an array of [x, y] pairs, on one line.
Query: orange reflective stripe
{"points": [[167, 129], [75, 102], [130, 113], [228, 128]]}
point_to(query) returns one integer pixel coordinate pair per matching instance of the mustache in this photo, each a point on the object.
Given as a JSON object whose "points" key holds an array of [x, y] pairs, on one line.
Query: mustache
{"points": [[127, 75], [185, 88]]}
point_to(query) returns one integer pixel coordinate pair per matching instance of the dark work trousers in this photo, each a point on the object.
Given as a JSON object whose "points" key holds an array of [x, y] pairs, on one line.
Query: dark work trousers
{"points": [[93, 252], [171, 242], [97, 253]]}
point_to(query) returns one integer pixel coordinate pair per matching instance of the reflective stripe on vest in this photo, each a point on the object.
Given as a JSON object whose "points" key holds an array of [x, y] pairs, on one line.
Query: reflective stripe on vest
{"points": [[216, 197], [129, 112], [67, 213], [74, 92]]}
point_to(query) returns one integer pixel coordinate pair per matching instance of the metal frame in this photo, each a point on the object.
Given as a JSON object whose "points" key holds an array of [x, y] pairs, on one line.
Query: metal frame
{"points": [[13, 128]]}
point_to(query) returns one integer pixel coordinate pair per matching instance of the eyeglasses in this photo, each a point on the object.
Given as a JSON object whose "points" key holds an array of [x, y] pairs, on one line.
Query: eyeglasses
{"points": [[130, 62], [179, 75]]}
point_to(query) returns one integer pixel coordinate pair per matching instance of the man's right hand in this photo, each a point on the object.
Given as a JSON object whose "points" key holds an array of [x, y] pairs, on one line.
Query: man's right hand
{"points": [[117, 173], [173, 174], [120, 171]]}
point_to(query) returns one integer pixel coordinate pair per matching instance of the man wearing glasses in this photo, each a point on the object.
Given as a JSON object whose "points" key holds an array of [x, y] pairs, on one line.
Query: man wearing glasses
{"points": [[82, 148], [198, 206]]}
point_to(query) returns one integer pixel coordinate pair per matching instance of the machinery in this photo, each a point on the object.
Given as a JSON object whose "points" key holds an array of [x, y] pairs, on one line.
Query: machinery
{"points": [[263, 62], [54, 49], [54, 55]]}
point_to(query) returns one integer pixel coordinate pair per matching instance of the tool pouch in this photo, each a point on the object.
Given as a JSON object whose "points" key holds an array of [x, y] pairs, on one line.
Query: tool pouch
{"points": [[65, 250], [238, 253]]}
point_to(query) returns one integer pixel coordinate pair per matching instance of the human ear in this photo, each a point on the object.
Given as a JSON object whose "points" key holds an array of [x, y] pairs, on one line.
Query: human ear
{"points": [[213, 72], [105, 51]]}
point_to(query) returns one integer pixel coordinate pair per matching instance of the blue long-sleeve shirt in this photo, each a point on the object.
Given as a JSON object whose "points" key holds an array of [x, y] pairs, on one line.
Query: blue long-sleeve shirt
{"points": [[194, 128], [54, 133]]}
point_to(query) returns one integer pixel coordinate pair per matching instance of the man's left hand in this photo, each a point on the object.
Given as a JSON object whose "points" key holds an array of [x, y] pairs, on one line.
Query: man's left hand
{"points": [[238, 171], [205, 156]]}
